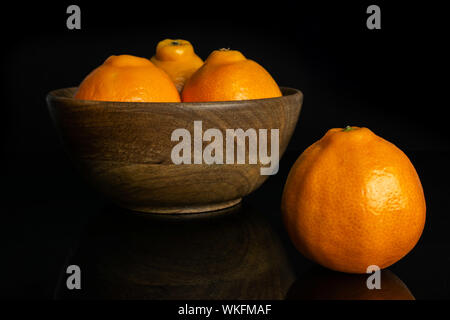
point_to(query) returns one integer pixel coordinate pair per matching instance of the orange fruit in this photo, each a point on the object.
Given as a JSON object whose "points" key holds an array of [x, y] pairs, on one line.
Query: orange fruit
{"points": [[128, 78], [178, 59], [227, 75], [353, 199]]}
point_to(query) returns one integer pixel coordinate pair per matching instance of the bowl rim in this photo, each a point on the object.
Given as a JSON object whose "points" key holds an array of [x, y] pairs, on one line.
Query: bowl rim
{"points": [[56, 95]]}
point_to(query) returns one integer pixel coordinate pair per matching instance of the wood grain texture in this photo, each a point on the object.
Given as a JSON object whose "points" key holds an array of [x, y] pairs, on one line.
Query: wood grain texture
{"points": [[229, 254], [124, 149]]}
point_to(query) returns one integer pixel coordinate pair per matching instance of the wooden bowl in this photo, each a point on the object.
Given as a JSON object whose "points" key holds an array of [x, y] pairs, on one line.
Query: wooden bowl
{"points": [[124, 148]]}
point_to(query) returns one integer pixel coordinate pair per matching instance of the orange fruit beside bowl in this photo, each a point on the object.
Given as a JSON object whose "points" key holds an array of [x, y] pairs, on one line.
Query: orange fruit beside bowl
{"points": [[353, 199], [228, 75], [178, 59], [128, 78]]}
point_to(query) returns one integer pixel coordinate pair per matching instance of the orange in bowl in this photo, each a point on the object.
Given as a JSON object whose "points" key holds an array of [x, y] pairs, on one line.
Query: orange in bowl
{"points": [[178, 59], [128, 78], [228, 75]]}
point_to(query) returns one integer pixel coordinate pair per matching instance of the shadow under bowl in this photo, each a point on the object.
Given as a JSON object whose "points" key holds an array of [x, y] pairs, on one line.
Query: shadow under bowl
{"points": [[124, 149]]}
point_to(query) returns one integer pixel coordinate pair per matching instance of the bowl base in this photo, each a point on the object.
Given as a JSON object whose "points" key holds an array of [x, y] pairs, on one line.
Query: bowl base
{"points": [[185, 209]]}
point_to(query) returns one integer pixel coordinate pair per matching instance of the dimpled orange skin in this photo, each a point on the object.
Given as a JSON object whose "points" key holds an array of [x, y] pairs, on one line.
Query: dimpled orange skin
{"points": [[128, 78], [178, 59], [227, 75], [353, 199]]}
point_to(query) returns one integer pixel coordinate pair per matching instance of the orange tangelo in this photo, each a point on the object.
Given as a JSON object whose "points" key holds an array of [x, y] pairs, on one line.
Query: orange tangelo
{"points": [[178, 59], [128, 78], [353, 199], [228, 75]]}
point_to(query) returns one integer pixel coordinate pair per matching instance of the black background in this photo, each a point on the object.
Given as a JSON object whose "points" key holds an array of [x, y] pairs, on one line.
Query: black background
{"points": [[390, 80]]}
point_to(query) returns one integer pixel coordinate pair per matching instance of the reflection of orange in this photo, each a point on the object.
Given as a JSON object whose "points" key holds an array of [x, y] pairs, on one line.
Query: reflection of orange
{"points": [[178, 59], [352, 200], [323, 284], [128, 78], [228, 75]]}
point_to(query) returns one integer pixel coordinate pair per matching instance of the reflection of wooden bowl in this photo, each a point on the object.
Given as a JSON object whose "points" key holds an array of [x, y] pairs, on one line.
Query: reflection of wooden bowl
{"points": [[124, 148], [227, 254]]}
